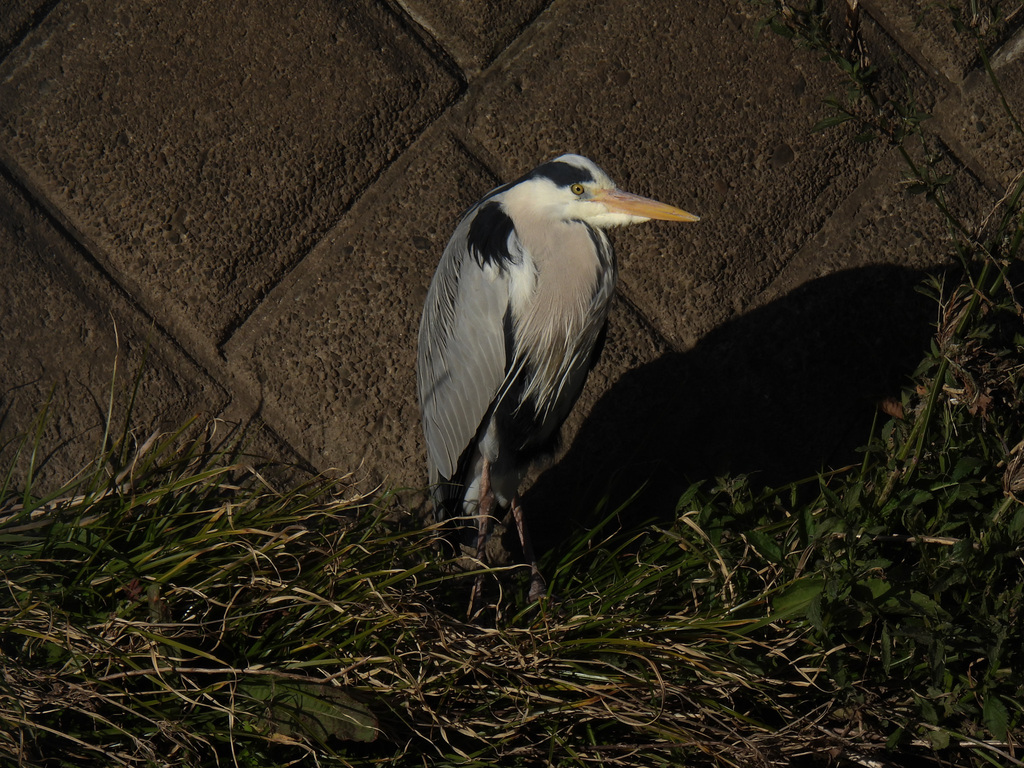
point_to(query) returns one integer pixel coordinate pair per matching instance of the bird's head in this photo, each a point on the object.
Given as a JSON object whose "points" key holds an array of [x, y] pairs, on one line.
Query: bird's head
{"points": [[573, 187]]}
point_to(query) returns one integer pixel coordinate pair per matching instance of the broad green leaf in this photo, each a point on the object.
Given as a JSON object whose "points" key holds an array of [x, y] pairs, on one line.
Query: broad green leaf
{"points": [[796, 598], [688, 496], [996, 717], [926, 604], [965, 466], [921, 497], [878, 587], [765, 545], [296, 707], [937, 739], [894, 739]]}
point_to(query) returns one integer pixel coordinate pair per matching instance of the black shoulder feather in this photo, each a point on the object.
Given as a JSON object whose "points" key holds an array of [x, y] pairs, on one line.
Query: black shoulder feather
{"points": [[488, 236]]}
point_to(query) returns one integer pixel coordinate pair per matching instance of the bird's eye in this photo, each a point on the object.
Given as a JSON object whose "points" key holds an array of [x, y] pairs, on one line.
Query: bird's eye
{"points": [[577, 189]]}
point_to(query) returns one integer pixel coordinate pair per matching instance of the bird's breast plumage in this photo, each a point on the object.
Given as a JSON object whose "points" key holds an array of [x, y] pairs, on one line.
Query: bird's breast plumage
{"points": [[558, 305]]}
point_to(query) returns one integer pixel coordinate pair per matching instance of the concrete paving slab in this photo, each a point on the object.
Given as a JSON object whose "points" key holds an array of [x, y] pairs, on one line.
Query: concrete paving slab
{"points": [[202, 149], [473, 32], [16, 17], [678, 103], [975, 122], [897, 73], [926, 30], [882, 222], [63, 329]]}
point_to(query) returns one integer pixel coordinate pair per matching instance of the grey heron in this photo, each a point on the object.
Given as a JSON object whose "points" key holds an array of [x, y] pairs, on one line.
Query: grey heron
{"points": [[511, 328]]}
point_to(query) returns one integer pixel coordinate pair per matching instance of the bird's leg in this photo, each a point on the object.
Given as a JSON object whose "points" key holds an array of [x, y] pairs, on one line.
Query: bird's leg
{"points": [[485, 502], [537, 585], [484, 505]]}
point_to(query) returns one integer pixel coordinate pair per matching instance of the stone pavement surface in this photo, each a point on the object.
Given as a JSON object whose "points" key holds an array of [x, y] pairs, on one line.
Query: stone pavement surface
{"points": [[246, 201]]}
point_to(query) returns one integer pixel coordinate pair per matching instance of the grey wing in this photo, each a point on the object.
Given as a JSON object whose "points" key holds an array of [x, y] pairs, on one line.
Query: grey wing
{"points": [[461, 360]]}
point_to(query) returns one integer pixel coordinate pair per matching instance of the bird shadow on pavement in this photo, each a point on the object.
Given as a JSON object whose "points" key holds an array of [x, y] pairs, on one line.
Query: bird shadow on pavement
{"points": [[779, 393]]}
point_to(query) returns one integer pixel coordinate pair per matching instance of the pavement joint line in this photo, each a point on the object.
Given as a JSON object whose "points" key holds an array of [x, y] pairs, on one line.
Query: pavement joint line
{"points": [[85, 249], [220, 373], [37, 17], [645, 322], [434, 47], [1009, 51]]}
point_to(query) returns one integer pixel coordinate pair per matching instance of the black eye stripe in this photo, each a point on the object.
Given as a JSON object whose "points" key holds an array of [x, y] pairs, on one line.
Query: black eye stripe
{"points": [[562, 174]]}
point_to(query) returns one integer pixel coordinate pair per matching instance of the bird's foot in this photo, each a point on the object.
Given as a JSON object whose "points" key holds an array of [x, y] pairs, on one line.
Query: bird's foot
{"points": [[538, 587]]}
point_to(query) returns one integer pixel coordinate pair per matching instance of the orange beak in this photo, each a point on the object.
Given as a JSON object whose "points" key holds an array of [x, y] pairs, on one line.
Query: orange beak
{"points": [[634, 205]]}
